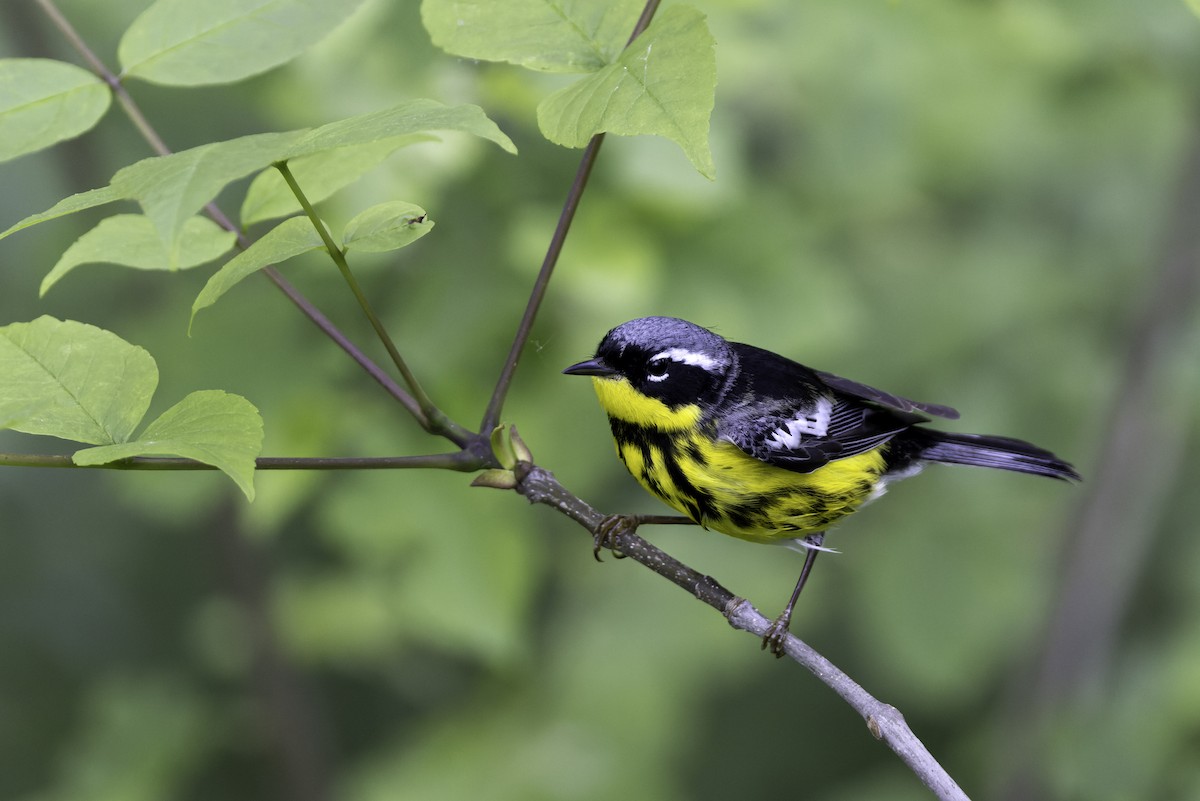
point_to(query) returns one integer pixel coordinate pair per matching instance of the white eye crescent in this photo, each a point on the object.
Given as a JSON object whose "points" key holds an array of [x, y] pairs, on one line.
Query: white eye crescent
{"points": [[656, 370]]}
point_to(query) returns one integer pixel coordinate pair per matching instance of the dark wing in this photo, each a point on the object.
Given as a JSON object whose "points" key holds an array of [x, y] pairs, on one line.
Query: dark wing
{"points": [[790, 416], [823, 431], [884, 398]]}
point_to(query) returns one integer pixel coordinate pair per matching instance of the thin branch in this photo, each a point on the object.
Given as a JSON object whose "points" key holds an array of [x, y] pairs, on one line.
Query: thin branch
{"points": [[643, 22], [883, 720], [112, 79], [333, 332], [491, 417], [461, 461], [431, 418]]}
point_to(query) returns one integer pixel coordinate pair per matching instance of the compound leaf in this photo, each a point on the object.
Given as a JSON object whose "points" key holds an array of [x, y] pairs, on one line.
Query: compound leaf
{"points": [[68, 205], [320, 174], [186, 43], [72, 380], [210, 426], [663, 84], [568, 36], [171, 189], [413, 116], [131, 241], [43, 101], [290, 238]]}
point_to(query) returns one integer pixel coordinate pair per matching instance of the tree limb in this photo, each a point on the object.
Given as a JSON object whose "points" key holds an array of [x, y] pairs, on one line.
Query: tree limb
{"points": [[883, 720]]}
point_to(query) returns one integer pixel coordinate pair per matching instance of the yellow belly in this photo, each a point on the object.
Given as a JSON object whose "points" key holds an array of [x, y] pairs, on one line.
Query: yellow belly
{"points": [[719, 486]]}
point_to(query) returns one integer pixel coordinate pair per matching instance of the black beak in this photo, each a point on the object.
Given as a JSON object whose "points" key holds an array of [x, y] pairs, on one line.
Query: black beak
{"points": [[590, 367]]}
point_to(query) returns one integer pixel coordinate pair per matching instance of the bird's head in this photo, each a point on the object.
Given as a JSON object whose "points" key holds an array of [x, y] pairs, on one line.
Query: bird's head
{"points": [[655, 362]]}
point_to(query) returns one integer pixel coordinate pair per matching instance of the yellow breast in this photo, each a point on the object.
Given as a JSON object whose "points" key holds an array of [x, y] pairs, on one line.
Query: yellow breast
{"points": [[720, 486], [622, 401]]}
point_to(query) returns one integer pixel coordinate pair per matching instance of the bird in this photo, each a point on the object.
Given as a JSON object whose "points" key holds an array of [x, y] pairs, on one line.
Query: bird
{"points": [[751, 444]]}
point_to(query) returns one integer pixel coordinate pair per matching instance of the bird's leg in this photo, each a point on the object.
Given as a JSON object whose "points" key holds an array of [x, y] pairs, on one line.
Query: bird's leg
{"points": [[777, 632]]}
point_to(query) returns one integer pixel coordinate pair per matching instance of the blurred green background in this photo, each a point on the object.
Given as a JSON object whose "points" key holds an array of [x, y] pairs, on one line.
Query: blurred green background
{"points": [[986, 204]]}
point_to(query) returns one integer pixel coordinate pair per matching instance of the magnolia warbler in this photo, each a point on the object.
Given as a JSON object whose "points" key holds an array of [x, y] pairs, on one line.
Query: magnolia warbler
{"points": [[751, 444]]}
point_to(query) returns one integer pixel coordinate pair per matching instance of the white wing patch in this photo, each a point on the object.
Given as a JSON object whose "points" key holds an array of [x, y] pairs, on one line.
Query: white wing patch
{"points": [[814, 424], [685, 356]]}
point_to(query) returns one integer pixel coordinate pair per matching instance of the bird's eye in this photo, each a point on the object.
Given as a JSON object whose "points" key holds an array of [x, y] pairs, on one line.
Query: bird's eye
{"points": [[656, 370]]}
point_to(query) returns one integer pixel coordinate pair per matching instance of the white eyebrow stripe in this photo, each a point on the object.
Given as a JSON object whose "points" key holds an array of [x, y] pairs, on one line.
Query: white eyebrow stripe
{"points": [[684, 356]]}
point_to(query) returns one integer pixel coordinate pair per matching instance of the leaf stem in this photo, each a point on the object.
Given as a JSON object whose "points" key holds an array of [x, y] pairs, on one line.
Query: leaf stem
{"points": [[491, 416], [430, 417]]}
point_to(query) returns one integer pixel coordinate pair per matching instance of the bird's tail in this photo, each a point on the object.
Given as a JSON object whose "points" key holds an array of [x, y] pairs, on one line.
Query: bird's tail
{"points": [[999, 452]]}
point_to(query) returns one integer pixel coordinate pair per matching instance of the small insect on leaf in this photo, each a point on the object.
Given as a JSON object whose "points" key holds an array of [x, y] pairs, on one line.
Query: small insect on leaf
{"points": [[388, 226]]}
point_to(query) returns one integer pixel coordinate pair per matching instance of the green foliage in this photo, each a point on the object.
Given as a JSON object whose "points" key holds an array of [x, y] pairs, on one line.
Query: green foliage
{"points": [[387, 226], [961, 202], [210, 426], [44, 101], [78, 382], [183, 43], [93, 386], [130, 240], [285, 241], [662, 83], [553, 37], [321, 174], [170, 189]]}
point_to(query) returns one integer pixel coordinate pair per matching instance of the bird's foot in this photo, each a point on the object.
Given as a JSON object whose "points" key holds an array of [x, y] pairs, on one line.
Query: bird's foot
{"points": [[776, 635], [609, 530]]}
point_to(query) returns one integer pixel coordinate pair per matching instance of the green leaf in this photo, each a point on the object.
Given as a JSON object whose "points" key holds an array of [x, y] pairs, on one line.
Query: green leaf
{"points": [[320, 174], [131, 241], [663, 83], [86, 384], [69, 205], [189, 43], [288, 239], [414, 116], [540, 35], [210, 426], [44, 101], [388, 226], [171, 189]]}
